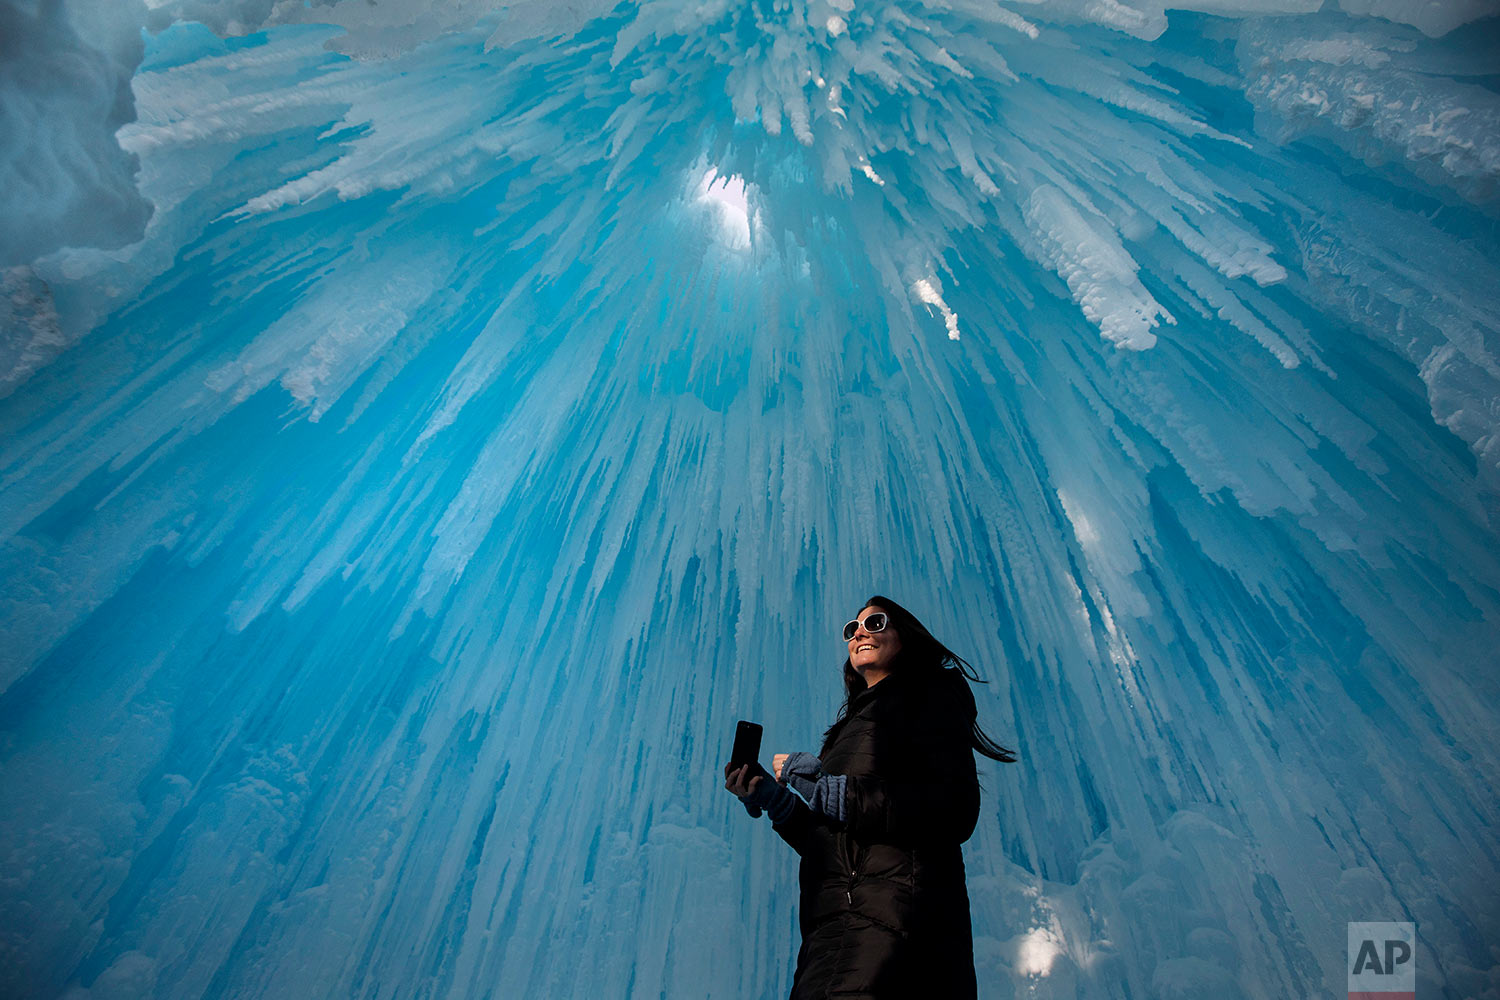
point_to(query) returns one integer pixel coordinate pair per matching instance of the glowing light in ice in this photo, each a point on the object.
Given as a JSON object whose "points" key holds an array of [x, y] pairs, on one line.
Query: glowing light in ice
{"points": [[727, 194], [835, 95], [1083, 529], [1039, 949], [927, 293]]}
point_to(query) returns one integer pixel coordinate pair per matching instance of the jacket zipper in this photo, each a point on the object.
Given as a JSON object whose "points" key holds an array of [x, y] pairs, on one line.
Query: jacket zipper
{"points": [[853, 872]]}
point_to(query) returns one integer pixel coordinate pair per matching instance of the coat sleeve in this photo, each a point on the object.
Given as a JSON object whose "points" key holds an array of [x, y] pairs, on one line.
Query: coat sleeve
{"points": [[796, 828], [939, 799]]}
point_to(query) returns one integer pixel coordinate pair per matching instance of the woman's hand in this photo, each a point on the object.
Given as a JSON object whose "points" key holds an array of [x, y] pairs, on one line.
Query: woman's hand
{"points": [[777, 762], [735, 780]]}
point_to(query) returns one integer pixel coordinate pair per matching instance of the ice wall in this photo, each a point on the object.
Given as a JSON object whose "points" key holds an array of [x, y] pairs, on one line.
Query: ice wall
{"points": [[458, 416]]}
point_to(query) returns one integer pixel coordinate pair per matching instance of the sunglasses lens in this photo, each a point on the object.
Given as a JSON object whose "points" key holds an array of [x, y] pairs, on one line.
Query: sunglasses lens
{"points": [[849, 630]]}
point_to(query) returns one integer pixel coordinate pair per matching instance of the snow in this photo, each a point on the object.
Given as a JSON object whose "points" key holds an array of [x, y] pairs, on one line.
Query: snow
{"points": [[64, 90], [426, 428]]}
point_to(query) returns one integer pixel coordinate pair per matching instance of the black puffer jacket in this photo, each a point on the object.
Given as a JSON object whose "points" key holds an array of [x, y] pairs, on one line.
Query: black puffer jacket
{"points": [[884, 907]]}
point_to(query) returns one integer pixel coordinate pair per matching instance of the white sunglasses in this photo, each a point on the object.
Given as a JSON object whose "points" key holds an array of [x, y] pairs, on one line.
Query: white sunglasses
{"points": [[875, 621]]}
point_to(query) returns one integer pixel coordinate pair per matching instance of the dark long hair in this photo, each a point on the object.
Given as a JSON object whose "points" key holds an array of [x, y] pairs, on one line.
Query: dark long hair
{"points": [[920, 654]]}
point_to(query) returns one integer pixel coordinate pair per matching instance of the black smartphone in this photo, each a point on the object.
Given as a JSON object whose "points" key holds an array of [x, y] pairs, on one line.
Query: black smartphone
{"points": [[746, 744]]}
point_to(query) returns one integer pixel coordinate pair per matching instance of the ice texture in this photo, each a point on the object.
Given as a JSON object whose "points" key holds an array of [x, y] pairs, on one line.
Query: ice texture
{"points": [[64, 91], [426, 428]]}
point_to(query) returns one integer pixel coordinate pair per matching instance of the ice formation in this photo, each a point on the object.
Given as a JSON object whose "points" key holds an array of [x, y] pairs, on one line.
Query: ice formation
{"points": [[425, 428]]}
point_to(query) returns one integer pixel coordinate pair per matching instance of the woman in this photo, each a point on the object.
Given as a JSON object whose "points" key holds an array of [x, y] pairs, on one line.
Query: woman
{"points": [[888, 800]]}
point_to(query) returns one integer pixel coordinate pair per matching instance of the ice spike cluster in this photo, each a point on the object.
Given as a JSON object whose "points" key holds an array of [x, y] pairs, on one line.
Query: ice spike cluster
{"points": [[426, 428]]}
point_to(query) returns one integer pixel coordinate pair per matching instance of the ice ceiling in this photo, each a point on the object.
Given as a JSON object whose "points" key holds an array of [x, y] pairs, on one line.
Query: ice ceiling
{"points": [[426, 428]]}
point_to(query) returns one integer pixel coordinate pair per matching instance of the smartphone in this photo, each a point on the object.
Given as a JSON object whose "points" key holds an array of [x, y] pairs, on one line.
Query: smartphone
{"points": [[746, 744]]}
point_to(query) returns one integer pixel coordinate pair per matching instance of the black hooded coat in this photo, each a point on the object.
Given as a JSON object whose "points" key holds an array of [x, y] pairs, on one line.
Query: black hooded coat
{"points": [[884, 906]]}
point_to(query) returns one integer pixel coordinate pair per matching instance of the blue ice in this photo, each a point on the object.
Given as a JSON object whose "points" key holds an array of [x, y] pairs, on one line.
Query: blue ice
{"points": [[426, 428]]}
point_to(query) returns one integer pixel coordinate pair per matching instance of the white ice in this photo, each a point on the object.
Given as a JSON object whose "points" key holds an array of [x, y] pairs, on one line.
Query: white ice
{"points": [[425, 428]]}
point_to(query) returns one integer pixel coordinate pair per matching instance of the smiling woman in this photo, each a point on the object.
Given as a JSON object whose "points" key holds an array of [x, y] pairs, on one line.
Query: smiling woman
{"points": [[871, 658], [884, 810]]}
